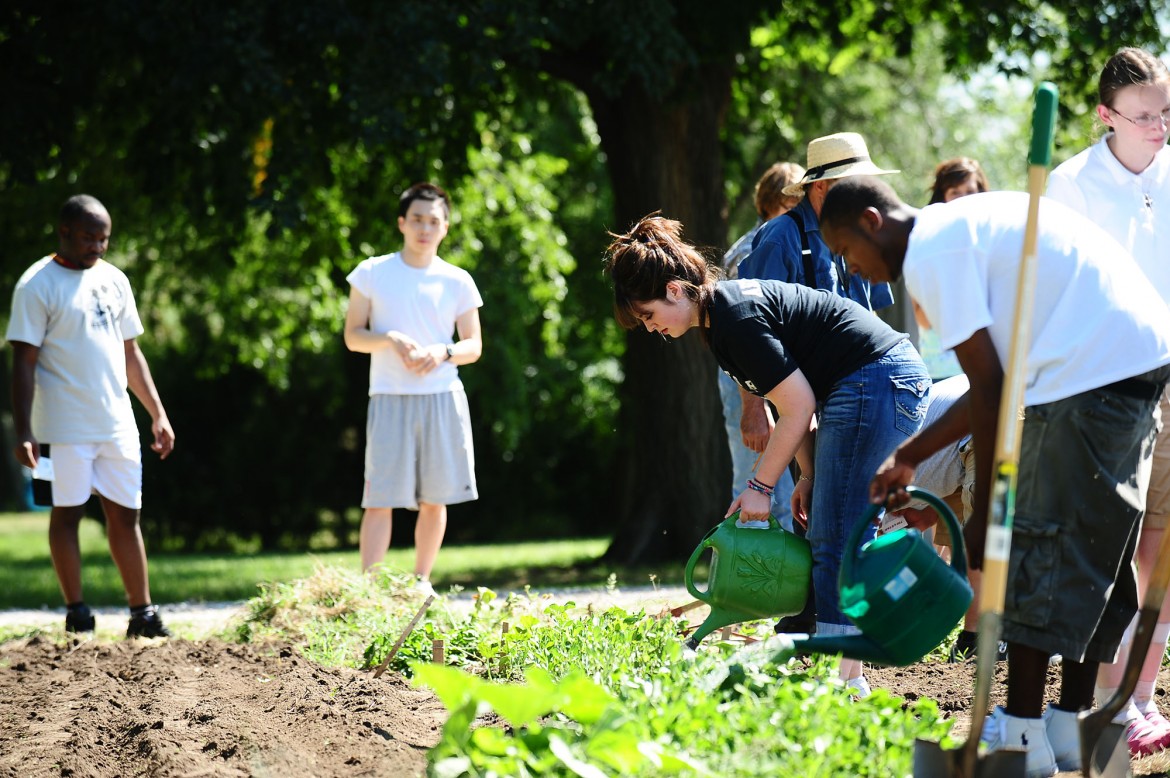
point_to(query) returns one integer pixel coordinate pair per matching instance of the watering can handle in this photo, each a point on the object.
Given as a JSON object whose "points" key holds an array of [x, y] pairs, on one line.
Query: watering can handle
{"points": [[958, 543], [958, 548], [704, 544]]}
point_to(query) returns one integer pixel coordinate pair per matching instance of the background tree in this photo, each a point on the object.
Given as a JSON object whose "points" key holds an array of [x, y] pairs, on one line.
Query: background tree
{"points": [[252, 155]]}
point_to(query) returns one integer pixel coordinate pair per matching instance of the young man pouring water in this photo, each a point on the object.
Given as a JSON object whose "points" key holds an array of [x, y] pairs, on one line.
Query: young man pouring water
{"points": [[1096, 364]]}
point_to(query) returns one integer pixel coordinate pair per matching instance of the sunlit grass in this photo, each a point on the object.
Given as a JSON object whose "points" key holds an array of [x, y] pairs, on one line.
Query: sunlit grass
{"points": [[27, 579]]}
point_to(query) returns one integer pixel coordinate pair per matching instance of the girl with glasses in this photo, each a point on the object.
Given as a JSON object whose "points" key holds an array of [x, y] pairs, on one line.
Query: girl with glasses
{"points": [[1122, 183]]}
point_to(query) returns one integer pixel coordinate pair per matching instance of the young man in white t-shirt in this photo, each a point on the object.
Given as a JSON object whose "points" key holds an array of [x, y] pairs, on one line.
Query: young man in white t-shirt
{"points": [[404, 309], [1097, 362], [73, 332]]}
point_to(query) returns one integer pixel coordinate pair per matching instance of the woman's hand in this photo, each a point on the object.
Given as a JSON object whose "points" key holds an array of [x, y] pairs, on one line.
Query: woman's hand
{"points": [[802, 502], [752, 506]]}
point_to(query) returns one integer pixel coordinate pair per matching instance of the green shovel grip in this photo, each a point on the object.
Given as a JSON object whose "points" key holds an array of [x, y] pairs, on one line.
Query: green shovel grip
{"points": [[1043, 125]]}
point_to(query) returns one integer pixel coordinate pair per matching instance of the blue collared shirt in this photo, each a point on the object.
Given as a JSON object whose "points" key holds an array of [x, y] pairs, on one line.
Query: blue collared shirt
{"points": [[776, 255]]}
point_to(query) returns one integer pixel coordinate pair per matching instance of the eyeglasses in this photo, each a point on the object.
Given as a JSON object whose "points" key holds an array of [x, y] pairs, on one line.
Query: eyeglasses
{"points": [[1146, 120]]}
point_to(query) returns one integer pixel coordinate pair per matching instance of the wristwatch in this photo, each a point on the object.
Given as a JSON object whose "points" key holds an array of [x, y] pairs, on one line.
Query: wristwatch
{"points": [[450, 350]]}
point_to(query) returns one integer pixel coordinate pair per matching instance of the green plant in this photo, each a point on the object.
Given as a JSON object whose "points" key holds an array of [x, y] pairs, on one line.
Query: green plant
{"points": [[614, 692], [571, 727]]}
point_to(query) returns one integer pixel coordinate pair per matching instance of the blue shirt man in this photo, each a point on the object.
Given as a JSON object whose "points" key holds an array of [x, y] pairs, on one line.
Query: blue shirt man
{"points": [[777, 254]]}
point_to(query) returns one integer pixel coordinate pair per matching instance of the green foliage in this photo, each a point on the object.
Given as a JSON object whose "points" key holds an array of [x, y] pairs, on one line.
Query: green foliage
{"points": [[658, 712], [592, 736], [583, 693], [248, 175]]}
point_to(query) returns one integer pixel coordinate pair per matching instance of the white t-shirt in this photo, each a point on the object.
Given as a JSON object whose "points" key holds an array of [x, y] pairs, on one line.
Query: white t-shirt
{"points": [[1095, 319], [80, 320], [1132, 207], [420, 302]]}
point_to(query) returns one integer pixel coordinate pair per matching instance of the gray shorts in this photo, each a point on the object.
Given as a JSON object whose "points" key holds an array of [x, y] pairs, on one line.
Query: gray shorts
{"points": [[419, 449], [1084, 469]]}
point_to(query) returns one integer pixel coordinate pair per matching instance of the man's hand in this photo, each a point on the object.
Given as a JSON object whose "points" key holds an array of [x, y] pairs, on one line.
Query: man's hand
{"points": [[425, 359], [975, 535], [164, 437], [26, 452], [755, 423], [888, 486], [920, 519]]}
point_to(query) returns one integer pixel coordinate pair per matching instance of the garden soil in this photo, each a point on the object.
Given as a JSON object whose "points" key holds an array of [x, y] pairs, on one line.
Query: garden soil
{"points": [[203, 707]]}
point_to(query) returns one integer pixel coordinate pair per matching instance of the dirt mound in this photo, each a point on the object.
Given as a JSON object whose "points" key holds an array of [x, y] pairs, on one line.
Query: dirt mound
{"points": [[199, 709]]}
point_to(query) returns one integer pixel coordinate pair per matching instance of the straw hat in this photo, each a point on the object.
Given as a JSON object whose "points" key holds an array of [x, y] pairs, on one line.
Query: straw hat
{"points": [[836, 156]]}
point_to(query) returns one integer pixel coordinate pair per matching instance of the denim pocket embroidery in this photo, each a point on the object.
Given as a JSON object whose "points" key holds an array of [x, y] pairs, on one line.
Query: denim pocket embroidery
{"points": [[910, 401]]}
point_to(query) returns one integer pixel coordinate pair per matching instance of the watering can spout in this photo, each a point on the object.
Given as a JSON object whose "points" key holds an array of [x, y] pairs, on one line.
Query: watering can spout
{"points": [[851, 646]]}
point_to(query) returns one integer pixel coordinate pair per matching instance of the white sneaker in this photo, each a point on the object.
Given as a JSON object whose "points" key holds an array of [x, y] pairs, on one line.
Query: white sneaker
{"points": [[423, 587], [1064, 735], [858, 687], [1003, 731]]}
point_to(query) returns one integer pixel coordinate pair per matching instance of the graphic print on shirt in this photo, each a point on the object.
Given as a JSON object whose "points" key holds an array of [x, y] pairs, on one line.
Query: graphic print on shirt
{"points": [[102, 313]]}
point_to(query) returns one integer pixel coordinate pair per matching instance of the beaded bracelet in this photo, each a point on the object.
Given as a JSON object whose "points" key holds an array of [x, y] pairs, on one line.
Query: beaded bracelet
{"points": [[757, 486]]}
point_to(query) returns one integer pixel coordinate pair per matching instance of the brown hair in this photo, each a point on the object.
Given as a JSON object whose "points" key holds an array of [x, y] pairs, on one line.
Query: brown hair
{"points": [[770, 196], [1129, 67], [644, 260], [954, 172]]}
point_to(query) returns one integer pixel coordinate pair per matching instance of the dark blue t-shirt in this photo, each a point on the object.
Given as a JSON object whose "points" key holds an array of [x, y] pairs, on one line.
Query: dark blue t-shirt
{"points": [[762, 331]]}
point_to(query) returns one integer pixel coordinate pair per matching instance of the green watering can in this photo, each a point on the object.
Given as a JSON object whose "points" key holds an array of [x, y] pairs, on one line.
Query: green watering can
{"points": [[755, 573], [897, 590]]}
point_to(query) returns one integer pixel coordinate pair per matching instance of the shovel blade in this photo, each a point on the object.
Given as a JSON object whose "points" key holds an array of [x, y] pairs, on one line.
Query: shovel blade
{"points": [[1104, 750], [932, 761]]}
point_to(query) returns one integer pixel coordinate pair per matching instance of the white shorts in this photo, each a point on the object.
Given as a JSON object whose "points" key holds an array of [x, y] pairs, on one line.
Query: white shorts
{"points": [[112, 469], [419, 449]]}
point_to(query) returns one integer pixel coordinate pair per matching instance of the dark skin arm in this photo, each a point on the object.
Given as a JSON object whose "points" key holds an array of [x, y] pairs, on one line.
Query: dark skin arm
{"points": [[24, 365], [976, 412]]}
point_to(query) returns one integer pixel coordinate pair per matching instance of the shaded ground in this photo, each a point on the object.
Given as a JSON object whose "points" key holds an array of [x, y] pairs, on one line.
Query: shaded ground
{"points": [[180, 708]]}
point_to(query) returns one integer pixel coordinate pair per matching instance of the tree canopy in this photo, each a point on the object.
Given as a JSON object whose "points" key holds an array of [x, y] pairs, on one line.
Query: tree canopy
{"points": [[252, 154]]}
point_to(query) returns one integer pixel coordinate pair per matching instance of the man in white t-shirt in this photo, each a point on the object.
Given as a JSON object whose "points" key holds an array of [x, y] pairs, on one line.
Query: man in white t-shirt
{"points": [[404, 309], [1097, 362], [73, 332]]}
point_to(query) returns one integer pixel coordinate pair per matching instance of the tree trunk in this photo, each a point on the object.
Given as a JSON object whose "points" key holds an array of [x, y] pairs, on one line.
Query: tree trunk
{"points": [[673, 463]]}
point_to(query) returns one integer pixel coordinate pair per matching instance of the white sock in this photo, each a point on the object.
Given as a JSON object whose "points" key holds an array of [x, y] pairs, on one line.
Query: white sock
{"points": [[1103, 694], [1143, 692]]}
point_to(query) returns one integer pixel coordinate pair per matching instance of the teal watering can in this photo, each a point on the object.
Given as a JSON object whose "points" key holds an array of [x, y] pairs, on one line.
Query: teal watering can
{"points": [[897, 590], [755, 573]]}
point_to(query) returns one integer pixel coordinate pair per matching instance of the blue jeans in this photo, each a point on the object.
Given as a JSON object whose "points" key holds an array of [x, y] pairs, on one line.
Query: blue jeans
{"points": [[742, 457], [865, 416]]}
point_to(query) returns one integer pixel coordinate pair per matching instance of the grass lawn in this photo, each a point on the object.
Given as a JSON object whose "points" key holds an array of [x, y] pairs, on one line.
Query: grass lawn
{"points": [[27, 579]]}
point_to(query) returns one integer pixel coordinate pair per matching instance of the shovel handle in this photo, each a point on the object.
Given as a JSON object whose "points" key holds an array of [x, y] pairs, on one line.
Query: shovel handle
{"points": [[1009, 429]]}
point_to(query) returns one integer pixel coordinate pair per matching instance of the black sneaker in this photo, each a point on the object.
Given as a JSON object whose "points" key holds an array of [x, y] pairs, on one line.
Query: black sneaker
{"points": [[147, 625], [79, 619], [800, 623], [967, 646]]}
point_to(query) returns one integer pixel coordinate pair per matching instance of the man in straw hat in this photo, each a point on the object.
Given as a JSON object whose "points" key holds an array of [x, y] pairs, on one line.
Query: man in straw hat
{"points": [[789, 248], [1097, 362], [781, 246]]}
